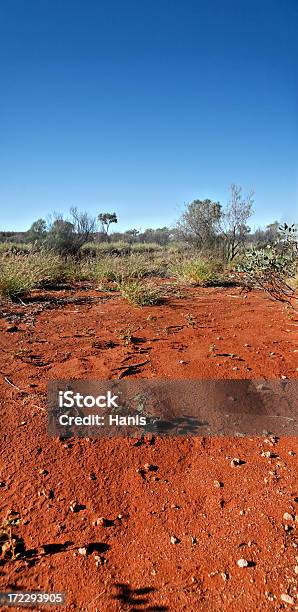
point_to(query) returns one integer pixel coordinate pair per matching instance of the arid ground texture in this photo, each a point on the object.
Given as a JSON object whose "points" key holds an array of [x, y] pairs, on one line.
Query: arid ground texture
{"points": [[157, 523]]}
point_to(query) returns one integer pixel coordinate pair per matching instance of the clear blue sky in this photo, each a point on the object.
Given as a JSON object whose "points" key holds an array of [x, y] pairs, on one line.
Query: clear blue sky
{"points": [[140, 106]]}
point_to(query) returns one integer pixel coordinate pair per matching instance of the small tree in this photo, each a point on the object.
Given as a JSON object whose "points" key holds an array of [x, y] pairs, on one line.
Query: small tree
{"points": [[234, 222], [199, 223], [67, 236], [106, 219], [84, 226], [37, 231], [130, 236]]}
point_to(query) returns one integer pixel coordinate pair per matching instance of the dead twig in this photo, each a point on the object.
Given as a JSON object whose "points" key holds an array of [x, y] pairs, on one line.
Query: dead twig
{"points": [[12, 384]]}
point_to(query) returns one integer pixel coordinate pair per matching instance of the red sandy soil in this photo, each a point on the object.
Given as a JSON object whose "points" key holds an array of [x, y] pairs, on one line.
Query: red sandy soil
{"points": [[214, 525]]}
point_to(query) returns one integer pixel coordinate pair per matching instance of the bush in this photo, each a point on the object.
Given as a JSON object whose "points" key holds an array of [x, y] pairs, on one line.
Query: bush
{"points": [[274, 267], [197, 271], [139, 293]]}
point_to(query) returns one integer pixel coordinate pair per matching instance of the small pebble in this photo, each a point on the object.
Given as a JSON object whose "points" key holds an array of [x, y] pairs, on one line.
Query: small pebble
{"points": [[174, 540], [218, 484], [236, 461], [288, 517], [74, 506], [102, 521], [242, 563], [287, 598]]}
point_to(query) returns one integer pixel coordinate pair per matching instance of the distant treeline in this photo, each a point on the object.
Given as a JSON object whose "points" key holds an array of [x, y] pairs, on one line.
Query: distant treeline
{"points": [[161, 236], [207, 226]]}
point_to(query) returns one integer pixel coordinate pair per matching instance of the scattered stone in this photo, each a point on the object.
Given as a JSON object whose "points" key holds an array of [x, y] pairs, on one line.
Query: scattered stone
{"points": [[268, 454], [270, 596], [242, 563], [236, 461], [43, 472], [47, 494], [150, 468], [99, 561], [82, 551], [218, 484], [175, 540], [296, 569], [287, 598], [102, 521], [74, 506], [194, 541], [288, 517], [224, 576]]}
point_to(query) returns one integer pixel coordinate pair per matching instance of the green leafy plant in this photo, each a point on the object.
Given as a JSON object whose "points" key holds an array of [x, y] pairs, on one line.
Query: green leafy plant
{"points": [[271, 268]]}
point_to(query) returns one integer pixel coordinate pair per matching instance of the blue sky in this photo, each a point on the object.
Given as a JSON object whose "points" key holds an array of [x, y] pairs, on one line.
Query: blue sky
{"points": [[139, 107]]}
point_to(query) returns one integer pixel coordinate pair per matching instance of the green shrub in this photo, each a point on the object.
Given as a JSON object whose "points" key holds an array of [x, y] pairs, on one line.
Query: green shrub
{"points": [[274, 267], [197, 271], [140, 293]]}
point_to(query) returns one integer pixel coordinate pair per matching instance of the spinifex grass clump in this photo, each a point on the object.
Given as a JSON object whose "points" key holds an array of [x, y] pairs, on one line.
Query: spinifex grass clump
{"points": [[20, 274], [139, 292], [197, 271], [117, 269]]}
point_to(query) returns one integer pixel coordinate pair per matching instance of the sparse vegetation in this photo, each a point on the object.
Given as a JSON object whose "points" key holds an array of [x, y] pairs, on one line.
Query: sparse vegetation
{"points": [[271, 268], [197, 271], [11, 546], [20, 274], [139, 292], [126, 335]]}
